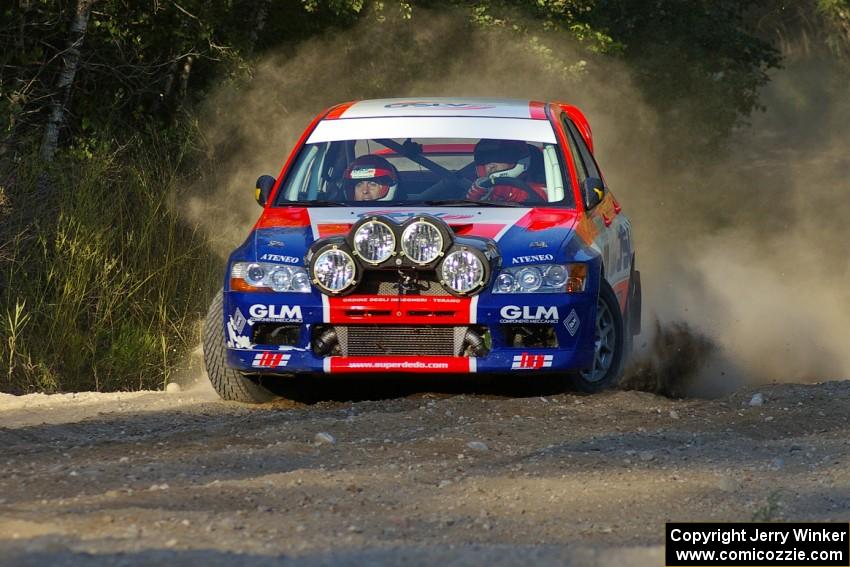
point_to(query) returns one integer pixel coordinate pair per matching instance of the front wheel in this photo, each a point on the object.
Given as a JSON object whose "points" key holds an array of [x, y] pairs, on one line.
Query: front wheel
{"points": [[609, 344], [230, 384]]}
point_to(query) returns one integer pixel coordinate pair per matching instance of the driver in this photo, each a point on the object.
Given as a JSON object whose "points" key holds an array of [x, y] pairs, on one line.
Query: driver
{"points": [[370, 178], [502, 168]]}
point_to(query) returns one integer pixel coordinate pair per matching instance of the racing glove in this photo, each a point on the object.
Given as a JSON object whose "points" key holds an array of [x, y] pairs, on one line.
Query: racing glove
{"points": [[509, 193], [479, 188]]}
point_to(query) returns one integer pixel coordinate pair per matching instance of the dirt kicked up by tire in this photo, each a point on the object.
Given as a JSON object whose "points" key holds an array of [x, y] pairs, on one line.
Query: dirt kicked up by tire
{"points": [[227, 382]]}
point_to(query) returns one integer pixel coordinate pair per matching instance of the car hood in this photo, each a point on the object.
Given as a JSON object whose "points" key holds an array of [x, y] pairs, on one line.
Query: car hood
{"points": [[523, 235]]}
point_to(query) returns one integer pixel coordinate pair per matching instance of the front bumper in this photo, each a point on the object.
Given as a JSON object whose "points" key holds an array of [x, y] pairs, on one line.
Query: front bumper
{"points": [[570, 316]]}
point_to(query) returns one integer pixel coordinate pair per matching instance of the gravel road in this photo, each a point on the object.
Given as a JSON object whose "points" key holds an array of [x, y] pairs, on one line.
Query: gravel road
{"points": [[367, 472]]}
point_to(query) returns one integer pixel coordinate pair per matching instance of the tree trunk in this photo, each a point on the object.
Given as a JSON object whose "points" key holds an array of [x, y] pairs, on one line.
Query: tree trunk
{"points": [[62, 96], [185, 72], [168, 87], [260, 17]]}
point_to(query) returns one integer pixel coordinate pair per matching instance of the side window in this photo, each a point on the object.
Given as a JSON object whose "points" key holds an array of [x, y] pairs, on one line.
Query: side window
{"points": [[589, 162], [581, 171]]}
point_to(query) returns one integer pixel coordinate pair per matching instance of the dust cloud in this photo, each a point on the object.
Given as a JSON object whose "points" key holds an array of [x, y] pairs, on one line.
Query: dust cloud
{"points": [[742, 253], [749, 248]]}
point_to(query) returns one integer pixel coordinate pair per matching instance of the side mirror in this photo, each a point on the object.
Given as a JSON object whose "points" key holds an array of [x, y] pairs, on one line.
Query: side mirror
{"points": [[264, 189], [594, 192]]}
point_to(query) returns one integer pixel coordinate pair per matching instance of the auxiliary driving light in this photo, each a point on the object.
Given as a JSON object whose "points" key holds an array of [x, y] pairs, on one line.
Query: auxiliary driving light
{"points": [[333, 270], [462, 271], [422, 242], [374, 242]]}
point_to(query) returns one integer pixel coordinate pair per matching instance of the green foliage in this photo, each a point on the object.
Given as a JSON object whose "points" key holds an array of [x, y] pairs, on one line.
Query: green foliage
{"points": [[106, 294], [837, 16], [699, 63]]}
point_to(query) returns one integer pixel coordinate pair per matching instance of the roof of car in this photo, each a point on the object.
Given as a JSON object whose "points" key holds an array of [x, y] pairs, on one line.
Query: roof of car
{"points": [[439, 106]]}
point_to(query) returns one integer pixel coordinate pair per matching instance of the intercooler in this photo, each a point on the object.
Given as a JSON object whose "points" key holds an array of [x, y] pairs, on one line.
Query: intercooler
{"points": [[379, 340]]}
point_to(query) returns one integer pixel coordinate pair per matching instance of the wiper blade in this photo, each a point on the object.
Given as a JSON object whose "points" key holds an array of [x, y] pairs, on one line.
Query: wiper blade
{"points": [[472, 203]]}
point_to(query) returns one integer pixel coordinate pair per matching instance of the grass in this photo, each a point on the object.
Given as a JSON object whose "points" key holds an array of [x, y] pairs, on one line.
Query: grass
{"points": [[103, 282]]}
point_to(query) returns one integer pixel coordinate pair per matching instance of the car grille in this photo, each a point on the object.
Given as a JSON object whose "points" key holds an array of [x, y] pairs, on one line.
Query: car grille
{"points": [[386, 282], [379, 340]]}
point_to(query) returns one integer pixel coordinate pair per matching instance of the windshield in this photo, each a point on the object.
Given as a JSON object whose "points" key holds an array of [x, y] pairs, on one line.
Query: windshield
{"points": [[426, 171]]}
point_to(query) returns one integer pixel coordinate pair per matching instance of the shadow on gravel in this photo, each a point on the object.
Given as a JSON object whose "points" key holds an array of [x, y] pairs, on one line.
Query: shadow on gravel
{"points": [[456, 555], [312, 390]]}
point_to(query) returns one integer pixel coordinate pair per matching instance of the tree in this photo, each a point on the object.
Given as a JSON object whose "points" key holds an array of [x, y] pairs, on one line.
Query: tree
{"points": [[65, 81]]}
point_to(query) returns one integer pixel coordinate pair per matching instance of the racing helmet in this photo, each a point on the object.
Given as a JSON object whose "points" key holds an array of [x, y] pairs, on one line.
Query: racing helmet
{"points": [[513, 152], [371, 168]]}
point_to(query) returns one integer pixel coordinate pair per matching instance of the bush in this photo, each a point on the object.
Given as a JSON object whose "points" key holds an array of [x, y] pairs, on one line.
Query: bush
{"points": [[102, 281]]}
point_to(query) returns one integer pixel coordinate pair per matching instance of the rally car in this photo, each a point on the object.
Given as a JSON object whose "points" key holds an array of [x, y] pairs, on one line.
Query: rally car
{"points": [[431, 236]]}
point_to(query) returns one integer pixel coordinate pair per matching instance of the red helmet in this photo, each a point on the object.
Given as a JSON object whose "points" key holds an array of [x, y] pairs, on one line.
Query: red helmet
{"points": [[371, 168], [511, 152]]}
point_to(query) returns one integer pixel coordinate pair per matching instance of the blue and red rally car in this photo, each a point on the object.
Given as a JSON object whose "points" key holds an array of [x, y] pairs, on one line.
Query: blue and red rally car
{"points": [[431, 235]]}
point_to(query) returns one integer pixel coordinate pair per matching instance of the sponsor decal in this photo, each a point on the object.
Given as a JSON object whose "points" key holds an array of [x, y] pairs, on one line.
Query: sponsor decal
{"points": [[572, 322], [625, 257], [528, 314], [538, 244], [238, 321], [401, 216], [235, 338], [402, 299], [398, 364], [276, 244], [526, 361], [439, 105], [279, 258], [363, 173], [533, 258], [270, 360], [275, 312]]}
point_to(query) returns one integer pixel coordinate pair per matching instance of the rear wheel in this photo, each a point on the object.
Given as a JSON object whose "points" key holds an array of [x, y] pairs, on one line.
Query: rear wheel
{"points": [[609, 344], [230, 384]]}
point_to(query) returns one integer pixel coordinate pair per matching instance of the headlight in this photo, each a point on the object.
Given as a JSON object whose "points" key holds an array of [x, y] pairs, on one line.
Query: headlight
{"points": [[542, 278], [555, 275], [529, 279], [300, 281], [280, 279], [255, 274], [422, 242], [505, 283], [333, 270], [262, 276], [462, 271], [374, 241]]}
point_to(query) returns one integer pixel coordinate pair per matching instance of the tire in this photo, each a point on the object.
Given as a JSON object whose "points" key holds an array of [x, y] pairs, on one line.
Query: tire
{"points": [[230, 384], [610, 354]]}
